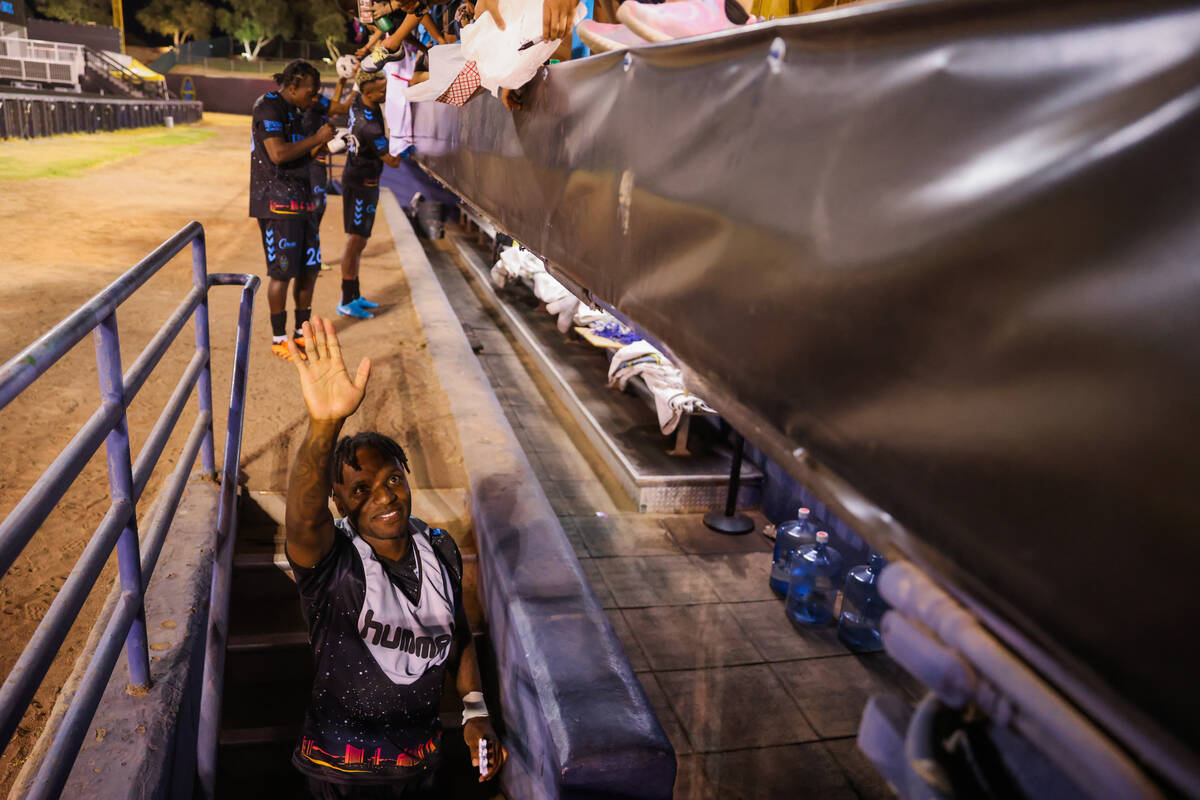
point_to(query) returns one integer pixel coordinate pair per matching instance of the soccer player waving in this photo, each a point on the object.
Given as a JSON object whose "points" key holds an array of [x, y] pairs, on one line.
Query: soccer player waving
{"points": [[382, 594]]}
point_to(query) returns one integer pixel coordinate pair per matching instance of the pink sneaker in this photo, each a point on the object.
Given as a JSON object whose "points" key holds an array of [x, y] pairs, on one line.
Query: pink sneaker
{"points": [[602, 37], [663, 22]]}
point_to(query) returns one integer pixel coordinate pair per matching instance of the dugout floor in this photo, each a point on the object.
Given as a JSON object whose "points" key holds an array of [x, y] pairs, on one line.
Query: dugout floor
{"points": [[753, 708]]}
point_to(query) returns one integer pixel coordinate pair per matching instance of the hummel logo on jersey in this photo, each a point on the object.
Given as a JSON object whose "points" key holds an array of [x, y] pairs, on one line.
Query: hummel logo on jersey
{"points": [[272, 125], [358, 210], [403, 639]]}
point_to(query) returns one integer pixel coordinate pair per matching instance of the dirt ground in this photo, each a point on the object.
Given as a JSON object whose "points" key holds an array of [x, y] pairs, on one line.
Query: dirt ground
{"points": [[66, 238]]}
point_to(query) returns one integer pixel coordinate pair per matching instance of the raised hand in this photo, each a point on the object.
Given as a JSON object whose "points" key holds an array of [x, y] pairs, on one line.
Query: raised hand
{"points": [[328, 390]]}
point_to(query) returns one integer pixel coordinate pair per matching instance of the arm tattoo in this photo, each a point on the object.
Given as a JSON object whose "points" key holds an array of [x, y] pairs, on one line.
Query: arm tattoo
{"points": [[309, 523]]}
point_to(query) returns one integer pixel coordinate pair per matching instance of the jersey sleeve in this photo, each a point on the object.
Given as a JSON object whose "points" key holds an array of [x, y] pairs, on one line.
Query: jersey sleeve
{"points": [[318, 582], [269, 121]]}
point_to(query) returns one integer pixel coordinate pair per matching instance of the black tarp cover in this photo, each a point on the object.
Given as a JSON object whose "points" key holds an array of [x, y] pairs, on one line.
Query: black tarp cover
{"points": [[949, 249]]}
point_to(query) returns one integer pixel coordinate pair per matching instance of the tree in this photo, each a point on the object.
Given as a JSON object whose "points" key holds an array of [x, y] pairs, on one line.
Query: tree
{"points": [[179, 19], [327, 22], [80, 12], [256, 22]]}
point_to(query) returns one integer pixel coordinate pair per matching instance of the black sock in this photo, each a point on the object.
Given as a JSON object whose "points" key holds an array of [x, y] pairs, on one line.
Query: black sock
{"points": [[735, 13], [279, 324], [349, 291], [302, 315]]}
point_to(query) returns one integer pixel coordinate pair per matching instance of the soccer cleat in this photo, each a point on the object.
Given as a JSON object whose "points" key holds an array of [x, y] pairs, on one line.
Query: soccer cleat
{"points": [[281, 350], [380, 56], [353, 309], [301, 344], [664, 22], [602, 37], [365, 303]]}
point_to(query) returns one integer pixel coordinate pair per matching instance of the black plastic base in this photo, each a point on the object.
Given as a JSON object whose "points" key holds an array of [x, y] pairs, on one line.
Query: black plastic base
{"points": [[735, 525]]}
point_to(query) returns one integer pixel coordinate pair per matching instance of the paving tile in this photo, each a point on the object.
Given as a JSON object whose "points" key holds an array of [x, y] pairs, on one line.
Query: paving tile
{"points": [[688, 637], [591, 571], [738, 577], [690, 533], [624, 535], [776, 639], [734, 707], [566, 464], [859, 770], [771, 773], [578, 498], [633, 650], [832, 692], [690, 781], [655, 581], [666, 716], [574, 537]]}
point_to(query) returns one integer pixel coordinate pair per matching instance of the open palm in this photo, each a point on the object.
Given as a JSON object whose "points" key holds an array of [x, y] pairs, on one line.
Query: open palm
{"points": [[328, 391]]}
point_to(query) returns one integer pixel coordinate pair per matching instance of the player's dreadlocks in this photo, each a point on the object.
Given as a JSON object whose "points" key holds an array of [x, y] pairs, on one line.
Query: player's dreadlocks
{"points": [[295, 72], [346, 452]]}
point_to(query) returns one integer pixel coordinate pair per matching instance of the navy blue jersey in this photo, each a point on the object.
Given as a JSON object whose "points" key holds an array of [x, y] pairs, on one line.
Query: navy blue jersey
{"points": [[277, 189], [364, 167]]}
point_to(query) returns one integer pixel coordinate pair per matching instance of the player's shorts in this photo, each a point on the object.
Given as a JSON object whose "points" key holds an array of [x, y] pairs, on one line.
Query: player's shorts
{"points": [[292, 246], [358, 208]]}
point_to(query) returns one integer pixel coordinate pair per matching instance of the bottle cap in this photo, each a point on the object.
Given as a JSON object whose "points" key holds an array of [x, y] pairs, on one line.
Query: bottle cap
{"points": [[822, 537], [803, 513]]}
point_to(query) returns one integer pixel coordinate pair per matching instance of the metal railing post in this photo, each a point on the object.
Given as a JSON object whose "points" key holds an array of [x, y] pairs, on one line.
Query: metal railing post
{"points": [[204, 385], [120, 481], [218, 610]]}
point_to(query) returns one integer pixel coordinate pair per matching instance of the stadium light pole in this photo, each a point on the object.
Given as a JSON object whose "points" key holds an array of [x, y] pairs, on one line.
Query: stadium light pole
{"points": [[119, 21]]}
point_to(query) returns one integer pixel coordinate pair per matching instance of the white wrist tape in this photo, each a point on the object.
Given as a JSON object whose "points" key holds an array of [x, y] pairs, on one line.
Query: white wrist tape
{"points": [[473, 706]]}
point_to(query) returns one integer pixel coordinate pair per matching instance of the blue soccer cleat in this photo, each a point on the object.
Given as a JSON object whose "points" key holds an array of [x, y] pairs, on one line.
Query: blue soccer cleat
{"points": [[353, 309], [365, 303]]}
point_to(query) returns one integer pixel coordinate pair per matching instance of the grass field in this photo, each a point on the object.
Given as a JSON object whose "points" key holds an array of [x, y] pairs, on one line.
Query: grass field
{"points": [[52, 158]]}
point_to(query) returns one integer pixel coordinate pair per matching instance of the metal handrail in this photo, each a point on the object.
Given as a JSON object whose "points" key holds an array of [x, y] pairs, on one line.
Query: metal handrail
{"points": [[127, 481]]}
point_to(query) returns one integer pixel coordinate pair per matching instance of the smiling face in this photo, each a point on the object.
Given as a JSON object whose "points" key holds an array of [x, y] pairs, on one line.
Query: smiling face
{"points": [[375, 496]]}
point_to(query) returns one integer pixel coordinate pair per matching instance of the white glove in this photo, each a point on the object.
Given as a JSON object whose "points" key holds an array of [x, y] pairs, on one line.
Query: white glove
{"points": [[347, 66], [341, 141]]}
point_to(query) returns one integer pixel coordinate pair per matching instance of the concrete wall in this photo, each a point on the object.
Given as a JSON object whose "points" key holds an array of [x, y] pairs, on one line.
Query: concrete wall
{"points": [[226, 95]]}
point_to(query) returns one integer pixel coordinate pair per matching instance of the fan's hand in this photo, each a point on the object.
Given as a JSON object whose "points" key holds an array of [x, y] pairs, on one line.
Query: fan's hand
{"points": [[328, 391]]}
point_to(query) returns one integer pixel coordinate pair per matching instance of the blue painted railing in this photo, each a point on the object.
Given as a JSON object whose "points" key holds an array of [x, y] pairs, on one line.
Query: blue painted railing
{"points": [[127, 480]]}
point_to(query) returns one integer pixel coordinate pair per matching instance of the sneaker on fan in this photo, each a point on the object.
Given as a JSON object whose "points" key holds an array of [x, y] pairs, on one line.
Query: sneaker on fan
{"points": [[602, 37], [353, 309], [380, 56], [365, 303], [663, 22]]}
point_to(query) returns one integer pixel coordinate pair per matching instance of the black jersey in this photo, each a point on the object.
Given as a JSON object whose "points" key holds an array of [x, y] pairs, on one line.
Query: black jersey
{"points": [[311, 121], [277, 189], [364, 167], [382, 644]]}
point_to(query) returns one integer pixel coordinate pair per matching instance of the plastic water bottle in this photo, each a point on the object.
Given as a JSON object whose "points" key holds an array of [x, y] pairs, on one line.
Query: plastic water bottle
{"points": [[862, 607], [813, 583], [789, 537]]}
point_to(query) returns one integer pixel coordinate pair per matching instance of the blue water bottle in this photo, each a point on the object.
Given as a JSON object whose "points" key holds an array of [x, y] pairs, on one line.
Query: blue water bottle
{"points": [[789, 537], [813, 583], [862, 607]]}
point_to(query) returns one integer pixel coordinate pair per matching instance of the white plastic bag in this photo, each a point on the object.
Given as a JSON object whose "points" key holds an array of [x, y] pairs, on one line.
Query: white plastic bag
{"points": [[501, 61], [445, 62]]}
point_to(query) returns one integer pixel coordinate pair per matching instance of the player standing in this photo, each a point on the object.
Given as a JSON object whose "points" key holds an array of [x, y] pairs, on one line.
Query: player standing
{"points": [[360, 186], [314, 117], [281, 196]]}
